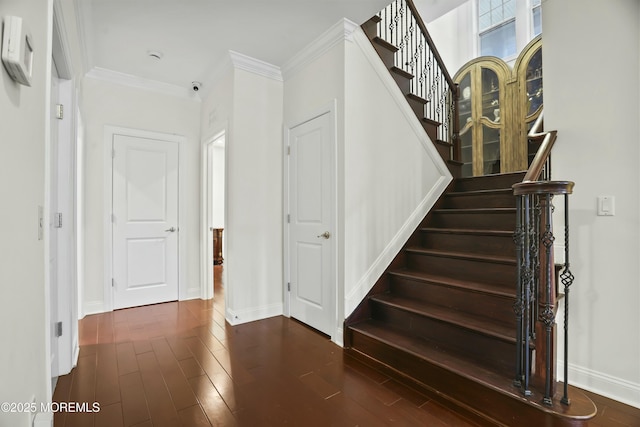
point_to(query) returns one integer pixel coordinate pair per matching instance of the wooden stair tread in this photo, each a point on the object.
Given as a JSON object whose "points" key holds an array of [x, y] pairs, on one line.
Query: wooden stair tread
{"points": [[476, 210], [471, 231], [500, 191], [401, 72], [441, 142], [431, 121], [385, 44], [462, 255], [434, 354], [473, 286], [581, 408], [417, 98], [461, 319]]}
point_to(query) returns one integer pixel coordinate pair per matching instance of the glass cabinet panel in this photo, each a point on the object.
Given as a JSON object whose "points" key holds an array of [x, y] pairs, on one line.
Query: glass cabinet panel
{"points": [[534, 83], [490, 95], [490, 150]]}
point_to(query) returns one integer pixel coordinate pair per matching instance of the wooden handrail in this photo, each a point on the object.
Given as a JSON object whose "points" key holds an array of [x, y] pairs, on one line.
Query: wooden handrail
{"points": [[430, 42], [543, 153]]}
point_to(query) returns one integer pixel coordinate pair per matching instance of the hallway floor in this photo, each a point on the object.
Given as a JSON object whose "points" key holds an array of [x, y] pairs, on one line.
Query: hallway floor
{"points": [[178, 364]]}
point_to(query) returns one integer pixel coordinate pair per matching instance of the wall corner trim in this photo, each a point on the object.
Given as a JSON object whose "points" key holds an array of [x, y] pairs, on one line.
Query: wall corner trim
{"points": [[255, 66], [339, 32]]}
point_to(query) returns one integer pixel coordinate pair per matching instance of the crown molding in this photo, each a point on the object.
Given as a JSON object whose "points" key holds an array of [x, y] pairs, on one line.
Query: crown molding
{"points": [[141, 83], [341, 31], [255, 66]]}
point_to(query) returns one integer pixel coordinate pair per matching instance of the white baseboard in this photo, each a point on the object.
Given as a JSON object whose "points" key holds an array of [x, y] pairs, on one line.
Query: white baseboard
{"points": [[192, 293], [609, 386], [338, 337], [93, 307], [237, 317]]}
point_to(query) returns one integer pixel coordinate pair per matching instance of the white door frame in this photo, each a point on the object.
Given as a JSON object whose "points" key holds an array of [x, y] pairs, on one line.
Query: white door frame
{"points": [[206, 267], [109, 133], [331, 109], [66, 300]]}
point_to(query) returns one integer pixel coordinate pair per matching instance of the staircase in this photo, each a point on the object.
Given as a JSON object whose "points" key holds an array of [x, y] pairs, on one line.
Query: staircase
{"points": [[434, 104], [441, 318]]}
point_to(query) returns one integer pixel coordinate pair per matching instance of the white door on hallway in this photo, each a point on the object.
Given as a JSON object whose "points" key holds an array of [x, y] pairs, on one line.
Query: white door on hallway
{"points": [[311, 231], [145, 221]]}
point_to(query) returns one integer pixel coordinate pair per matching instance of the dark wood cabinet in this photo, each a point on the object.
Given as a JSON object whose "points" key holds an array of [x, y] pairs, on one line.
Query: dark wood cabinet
{"points": [[217, 246]]}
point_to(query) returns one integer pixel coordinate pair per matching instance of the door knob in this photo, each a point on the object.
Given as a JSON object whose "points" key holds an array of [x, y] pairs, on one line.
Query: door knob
{"points": [[171, 230], [326, 235]]}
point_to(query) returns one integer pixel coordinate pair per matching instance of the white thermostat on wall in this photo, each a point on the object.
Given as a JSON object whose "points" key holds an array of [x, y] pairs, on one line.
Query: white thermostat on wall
{"points": [[17, 50]]}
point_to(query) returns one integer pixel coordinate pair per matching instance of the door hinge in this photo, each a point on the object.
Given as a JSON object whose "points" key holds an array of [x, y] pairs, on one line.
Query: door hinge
{"points": [[58, 331], [288, 150], [57, 220], [113, 153], [288, 218], [59, 111], [113, 283], [289, 286]]}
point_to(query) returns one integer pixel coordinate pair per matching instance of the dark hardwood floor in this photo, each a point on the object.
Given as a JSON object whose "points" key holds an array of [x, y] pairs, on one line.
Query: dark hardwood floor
{"points": [[178, 364]]}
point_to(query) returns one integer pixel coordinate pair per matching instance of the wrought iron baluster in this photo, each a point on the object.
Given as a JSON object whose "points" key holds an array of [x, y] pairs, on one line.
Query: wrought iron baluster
{"points": [[567, 279], [518, 305], [548, 316]]}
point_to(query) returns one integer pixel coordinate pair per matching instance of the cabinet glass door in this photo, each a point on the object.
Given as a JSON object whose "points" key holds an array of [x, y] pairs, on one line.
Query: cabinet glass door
{"points": [[466, 125], [490, 134], [534, 83]]}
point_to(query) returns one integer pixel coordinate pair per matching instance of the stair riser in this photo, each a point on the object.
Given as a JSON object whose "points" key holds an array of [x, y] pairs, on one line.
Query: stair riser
{"points": [[403, 82], [464, 269], [469, 243], [491, 351], [505, 221], [444, 151], [470, 395], [501, 200], [497, 307], [387, 56], [431, 129], [489, 182], [416, 106]]}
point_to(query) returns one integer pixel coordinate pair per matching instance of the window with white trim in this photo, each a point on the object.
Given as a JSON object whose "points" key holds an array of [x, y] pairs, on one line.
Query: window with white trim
{"points": [[536, 14], [506, 26], [497, 27]]}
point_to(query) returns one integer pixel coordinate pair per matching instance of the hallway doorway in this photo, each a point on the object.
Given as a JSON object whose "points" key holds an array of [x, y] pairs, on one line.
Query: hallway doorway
{"points": [[215, 152]]}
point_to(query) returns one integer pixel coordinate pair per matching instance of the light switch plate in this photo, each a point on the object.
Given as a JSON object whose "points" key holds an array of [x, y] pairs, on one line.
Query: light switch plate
{"points": [[606, 205]]}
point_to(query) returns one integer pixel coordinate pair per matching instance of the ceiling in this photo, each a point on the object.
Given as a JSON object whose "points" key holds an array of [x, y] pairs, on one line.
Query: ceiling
{"points": [[193, 36]]}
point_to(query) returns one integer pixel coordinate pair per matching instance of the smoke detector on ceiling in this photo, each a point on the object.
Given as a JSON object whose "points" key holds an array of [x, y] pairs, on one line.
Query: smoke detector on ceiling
{"points": [[155, 54]]}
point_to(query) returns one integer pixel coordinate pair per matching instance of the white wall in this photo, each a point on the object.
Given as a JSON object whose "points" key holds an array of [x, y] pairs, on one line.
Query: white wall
{"points": [[107, 103], [254, 214], [454, 37], [591, 79], [24, 313], [248, 106], [389, 173], [392, 174]]}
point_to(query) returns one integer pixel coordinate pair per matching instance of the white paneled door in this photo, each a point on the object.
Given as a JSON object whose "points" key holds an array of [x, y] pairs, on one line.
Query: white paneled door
{"points": [[145, 221], [311, 231]]}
